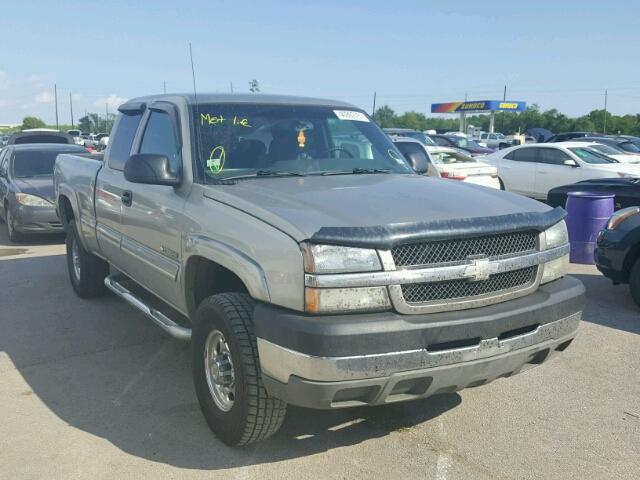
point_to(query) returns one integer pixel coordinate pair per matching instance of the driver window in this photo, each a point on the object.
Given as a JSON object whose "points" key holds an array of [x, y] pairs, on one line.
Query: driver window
{"points": [[159, 138]]}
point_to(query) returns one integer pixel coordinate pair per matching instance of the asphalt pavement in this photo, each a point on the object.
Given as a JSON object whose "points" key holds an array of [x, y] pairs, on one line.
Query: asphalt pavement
{"points": [[92, 389]]}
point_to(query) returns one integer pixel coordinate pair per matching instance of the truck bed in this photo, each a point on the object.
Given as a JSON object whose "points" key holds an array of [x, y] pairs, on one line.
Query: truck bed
{"points": [[74, 176]]}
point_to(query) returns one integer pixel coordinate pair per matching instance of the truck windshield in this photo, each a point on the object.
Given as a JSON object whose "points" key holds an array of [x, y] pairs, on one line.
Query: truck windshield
{"points": [[260, 140]]}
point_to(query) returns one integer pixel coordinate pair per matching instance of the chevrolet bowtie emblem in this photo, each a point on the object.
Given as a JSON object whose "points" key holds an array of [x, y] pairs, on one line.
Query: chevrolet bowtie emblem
{"points": [[478, 270]]}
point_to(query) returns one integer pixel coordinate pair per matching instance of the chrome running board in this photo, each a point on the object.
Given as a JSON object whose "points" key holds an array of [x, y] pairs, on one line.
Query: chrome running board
{"points": [[160, 319]]}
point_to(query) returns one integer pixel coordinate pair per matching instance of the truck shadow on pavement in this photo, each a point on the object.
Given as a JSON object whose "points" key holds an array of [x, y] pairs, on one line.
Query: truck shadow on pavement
{"points": [[609, 305], [104, 369]]}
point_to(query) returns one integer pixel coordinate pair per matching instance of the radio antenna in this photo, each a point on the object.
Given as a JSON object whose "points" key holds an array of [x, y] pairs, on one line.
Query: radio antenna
{"points": [[197, 109]]}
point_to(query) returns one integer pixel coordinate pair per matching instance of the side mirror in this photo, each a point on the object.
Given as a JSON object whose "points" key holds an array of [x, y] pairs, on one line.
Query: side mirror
{"points": [[151, 169], [570, 163], [418, 162]]}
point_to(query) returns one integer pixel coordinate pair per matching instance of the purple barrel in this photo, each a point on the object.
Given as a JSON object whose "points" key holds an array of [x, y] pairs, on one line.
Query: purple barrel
{"points": [[587, 214]]}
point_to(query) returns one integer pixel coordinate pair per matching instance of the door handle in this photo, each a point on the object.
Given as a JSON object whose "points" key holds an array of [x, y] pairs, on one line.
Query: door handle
{"points": [[127, 198]]}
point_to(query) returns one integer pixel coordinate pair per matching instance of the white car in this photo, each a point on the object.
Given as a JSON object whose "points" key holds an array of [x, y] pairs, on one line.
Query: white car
{"points": [[614, 153], [450, 163], [534, 169]]}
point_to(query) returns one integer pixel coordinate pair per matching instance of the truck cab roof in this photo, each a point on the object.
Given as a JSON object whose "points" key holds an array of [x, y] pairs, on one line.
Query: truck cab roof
{"points": [[248, 98]]}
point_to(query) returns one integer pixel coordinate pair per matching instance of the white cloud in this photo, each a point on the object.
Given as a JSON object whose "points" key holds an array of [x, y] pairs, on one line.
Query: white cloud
{"points": [[44, 97], [113, 100], [34, 78]]}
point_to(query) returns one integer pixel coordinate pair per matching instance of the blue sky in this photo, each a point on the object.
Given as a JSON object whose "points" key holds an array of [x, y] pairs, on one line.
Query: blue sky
{"points": [[560, 54]]}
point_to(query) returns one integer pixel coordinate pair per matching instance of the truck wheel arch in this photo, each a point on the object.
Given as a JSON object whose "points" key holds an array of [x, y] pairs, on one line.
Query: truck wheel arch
{"points": [[65, 210], [213, 267]]}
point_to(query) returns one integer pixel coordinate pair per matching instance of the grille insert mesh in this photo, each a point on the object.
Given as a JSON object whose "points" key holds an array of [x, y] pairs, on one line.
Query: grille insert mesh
{"points": [[460, 289], [448, 251]]}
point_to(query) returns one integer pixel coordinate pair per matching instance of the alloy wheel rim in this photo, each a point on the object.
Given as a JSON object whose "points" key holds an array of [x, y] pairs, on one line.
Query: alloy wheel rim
{"points": [[75, 259], [9, 222], [219, 371]]}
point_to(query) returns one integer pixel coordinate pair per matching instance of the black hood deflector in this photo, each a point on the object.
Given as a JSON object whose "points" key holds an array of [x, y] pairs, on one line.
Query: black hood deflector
{"points": [[388, 236]]}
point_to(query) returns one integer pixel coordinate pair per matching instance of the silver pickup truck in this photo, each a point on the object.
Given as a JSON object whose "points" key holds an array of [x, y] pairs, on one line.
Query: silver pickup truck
{"points": [[307, 260]]}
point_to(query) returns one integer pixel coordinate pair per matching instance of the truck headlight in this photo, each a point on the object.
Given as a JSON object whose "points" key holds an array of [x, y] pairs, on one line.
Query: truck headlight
{"points": [[335, 259], [332, 259], [32, 200], [553, 237], [335, 300]]}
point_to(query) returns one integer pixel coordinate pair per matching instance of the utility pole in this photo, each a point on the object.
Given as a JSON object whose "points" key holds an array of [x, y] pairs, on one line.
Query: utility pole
{"points": [[374, 104], [605, 112], [164, 86], [55, 94], [231, 86], [106, 118], [71, 107], [504, 95]]}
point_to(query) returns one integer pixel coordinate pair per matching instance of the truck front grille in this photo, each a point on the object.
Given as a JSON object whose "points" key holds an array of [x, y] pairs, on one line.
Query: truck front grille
{"points": [[465, 289], [459, 250]]}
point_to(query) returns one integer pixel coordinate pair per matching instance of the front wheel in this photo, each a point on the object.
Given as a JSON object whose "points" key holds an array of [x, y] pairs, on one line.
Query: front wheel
{"points": [[13, 235], [86, 271], [227, 375], [634, 282]]}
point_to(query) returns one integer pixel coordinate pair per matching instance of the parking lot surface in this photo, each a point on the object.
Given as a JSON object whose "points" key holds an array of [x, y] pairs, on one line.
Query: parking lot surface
{"points": [[91, 389]]}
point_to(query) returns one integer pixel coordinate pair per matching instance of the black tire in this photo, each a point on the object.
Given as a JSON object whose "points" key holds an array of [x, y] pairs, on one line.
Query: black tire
{"points": [[501, 183], [634, 282], [88, 280], [254, 414], [11, 230]]}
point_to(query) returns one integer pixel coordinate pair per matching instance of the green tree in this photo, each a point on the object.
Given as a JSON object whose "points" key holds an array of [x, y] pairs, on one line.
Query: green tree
{"points": [[32, 122], [385, 117]]}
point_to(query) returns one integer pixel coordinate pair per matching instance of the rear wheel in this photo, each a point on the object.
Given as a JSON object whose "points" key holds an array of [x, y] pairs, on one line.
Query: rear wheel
{"points": [[11, 228], [227, 375], [634, 282], [86, 271]]}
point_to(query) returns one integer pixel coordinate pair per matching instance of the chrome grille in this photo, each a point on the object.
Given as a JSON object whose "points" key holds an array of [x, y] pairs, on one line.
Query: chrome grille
{"points": [[456, 289], [449, 251]]}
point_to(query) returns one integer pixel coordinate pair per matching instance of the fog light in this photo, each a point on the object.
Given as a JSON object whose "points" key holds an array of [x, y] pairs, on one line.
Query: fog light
{"points": [[335, 300]]}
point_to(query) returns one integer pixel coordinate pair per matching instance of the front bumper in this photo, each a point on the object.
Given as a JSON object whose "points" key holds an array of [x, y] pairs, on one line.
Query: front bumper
{"points": [[349, 360], [30, 220], [609, 255]]}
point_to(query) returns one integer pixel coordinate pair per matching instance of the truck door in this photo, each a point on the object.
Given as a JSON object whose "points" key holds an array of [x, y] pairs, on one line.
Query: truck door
{"points": [[110, 185], [152, 218]]}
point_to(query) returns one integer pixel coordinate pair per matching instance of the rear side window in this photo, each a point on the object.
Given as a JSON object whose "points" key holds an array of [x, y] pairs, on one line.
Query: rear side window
{"points": [[122, 139], [553, 156], [159, 137], [523, 155]]}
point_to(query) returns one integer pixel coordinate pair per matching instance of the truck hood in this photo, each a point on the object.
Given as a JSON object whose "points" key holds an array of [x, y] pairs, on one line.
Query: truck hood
{"points": [[302, 206], [39, 186]]}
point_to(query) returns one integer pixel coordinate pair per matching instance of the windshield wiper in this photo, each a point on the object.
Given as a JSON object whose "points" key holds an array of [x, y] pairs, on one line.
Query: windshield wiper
{"points": [[264, 173], [358, 171]]}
